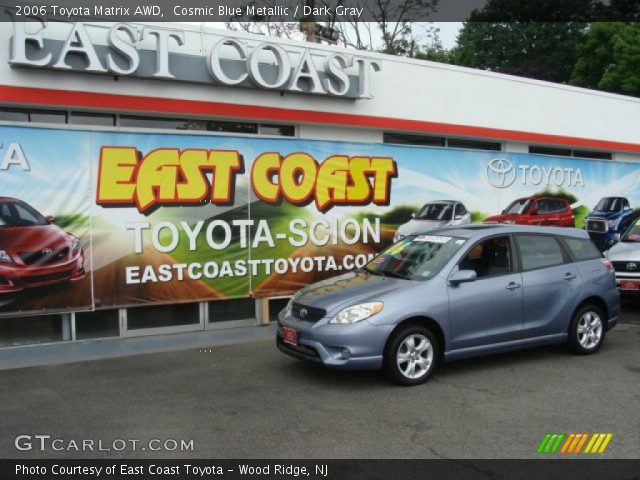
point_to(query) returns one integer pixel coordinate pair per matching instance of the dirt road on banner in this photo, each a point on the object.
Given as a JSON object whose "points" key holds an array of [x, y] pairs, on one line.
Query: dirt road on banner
{"points": [[277, 284], [110, 287]]}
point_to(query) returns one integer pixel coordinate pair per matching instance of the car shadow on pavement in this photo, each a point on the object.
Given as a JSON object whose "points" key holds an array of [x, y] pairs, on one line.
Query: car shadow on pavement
{"points": [[318, 374]]}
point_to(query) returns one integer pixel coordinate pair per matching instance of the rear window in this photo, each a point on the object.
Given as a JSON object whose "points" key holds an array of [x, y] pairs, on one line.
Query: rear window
{"points": [[539, 251], [582, 249]]}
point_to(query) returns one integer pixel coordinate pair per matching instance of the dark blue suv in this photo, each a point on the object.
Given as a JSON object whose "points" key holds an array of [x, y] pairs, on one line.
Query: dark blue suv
{"points": [[610, 216]]}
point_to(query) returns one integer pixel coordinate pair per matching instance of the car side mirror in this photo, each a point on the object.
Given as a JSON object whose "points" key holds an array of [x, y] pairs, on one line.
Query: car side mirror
{"points": [[458, 217], [463, 276], [413, 215], [617, 237], [50, 218], [534, 211]]}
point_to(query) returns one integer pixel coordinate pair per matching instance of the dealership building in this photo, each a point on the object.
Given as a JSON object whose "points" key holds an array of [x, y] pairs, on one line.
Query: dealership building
{"points": [[199, 81]]}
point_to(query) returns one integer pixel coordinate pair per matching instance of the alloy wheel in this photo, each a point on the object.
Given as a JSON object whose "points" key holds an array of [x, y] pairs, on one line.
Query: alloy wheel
{"points": [[415, 356], [589, 330]]}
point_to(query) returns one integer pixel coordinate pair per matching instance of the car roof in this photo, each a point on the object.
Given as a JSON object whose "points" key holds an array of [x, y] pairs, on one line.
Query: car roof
{"points": [[441, 201], [10, 199], [484, 230]]}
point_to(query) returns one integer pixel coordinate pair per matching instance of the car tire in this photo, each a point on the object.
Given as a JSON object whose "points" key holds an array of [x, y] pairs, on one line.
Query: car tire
{"points": [[411, 356], [587, 330]]}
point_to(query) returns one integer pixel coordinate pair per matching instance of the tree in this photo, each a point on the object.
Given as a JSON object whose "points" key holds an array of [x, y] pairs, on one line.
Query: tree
{"points": [[542, 50], [609, 58], [391, 30]]}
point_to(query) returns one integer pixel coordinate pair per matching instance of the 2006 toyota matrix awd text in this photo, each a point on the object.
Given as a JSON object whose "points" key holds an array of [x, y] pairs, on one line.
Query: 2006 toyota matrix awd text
{"points": [[452, 293]]}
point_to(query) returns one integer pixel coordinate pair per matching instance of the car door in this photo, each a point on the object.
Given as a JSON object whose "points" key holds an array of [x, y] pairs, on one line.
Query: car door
{"points": [[550, 283], [489, 309], [555, 212], [545, 215]]}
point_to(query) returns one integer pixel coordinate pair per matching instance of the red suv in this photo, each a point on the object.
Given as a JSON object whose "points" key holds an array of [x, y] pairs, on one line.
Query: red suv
{"points": [[34, 251], [537, 211]]}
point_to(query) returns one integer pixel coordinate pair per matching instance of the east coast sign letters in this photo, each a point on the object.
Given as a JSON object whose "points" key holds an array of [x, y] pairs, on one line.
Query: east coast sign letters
{"points": [[229, 61]]}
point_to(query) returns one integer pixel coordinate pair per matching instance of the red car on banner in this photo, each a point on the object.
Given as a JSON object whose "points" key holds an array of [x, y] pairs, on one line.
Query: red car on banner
{"points": [[34, 251], [537, 211]]}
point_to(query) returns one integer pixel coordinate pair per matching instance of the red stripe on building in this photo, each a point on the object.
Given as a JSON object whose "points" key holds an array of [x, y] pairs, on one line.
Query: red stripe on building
{"points": [[108, 101]]}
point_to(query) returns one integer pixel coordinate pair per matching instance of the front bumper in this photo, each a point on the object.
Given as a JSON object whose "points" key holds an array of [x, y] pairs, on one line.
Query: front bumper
{"points": [[15, 278], [324, 343]]}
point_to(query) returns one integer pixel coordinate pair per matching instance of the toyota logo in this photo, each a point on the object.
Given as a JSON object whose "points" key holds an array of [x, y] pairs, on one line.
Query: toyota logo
{"points": [[304, 312], [632, 266], [501, 173], [46, 251]]}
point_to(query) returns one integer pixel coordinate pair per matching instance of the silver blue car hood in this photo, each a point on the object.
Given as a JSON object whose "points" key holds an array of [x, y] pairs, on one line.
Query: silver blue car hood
{"points": [[349, 289]]}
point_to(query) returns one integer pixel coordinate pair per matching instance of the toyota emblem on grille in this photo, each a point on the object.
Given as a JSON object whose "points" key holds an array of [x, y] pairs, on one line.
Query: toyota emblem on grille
{"points": [[47, 251], [632, 266], [304, 312]]}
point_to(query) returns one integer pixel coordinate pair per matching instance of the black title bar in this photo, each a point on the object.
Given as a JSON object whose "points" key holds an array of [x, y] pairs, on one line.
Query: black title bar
{"points": [[318, 469], [325, 11]]}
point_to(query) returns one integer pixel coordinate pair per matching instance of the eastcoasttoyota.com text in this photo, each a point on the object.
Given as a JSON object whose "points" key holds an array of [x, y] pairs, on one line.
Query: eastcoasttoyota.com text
{"points": [[319, 239]]}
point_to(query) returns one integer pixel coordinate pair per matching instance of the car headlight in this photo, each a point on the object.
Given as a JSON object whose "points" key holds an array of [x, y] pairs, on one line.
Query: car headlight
{"points": [[612, 223], [398, 236], [356, 313], [75, 245], [5, 257]]}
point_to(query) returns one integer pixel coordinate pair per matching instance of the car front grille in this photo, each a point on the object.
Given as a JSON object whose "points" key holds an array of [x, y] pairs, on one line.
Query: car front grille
{"points": [[307, 314], [632, 267], [44, 257], [50, 277], [597, 225]]}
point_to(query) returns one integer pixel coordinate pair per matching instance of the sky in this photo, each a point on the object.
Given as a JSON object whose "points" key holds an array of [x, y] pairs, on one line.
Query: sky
{"points": [[448, 30]]}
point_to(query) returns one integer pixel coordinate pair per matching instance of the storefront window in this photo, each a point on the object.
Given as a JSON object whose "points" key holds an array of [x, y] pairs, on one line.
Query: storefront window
{"points": [[225, 310], [163, 316], [281, 130], [29, 330], [14, 115], [99, 324], [101, 119], [45, 116], [408, 139], [162, 123], [275, 306]]}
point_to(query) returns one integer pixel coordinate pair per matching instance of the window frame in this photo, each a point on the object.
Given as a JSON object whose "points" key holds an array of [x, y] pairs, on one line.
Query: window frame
{"points": [[513, 260], [566, 258], [563, 239]]}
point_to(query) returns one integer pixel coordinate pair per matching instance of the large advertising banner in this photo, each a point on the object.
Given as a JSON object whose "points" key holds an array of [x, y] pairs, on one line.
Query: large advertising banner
{"points": [[110, 219], [45, 220]]}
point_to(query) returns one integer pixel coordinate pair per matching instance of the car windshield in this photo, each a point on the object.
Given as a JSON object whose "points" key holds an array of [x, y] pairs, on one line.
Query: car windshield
{"points": [[417, 257], [633, 234], [608, 204], [19, 214], [436, 211], [518, 207]]}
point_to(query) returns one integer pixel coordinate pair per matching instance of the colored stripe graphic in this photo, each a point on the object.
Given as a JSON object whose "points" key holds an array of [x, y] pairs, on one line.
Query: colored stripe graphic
{"points": [[573, 443], [550, 442], [598, 443]]}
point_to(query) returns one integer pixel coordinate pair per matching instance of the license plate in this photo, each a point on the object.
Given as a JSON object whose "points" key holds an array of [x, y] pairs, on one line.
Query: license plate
{"points": [[630, 285], [290, 336]]}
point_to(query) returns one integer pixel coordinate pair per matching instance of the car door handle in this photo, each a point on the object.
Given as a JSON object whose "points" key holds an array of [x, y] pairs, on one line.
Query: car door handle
{"points": [[513, 286], [569, 276]]}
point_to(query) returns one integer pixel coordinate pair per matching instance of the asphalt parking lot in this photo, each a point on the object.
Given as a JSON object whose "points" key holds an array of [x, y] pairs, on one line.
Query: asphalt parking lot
{"points": [[250, 401]]}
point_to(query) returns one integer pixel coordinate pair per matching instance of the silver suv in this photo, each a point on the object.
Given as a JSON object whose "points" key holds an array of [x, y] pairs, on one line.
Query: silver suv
{"points": [[625, 257]]}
